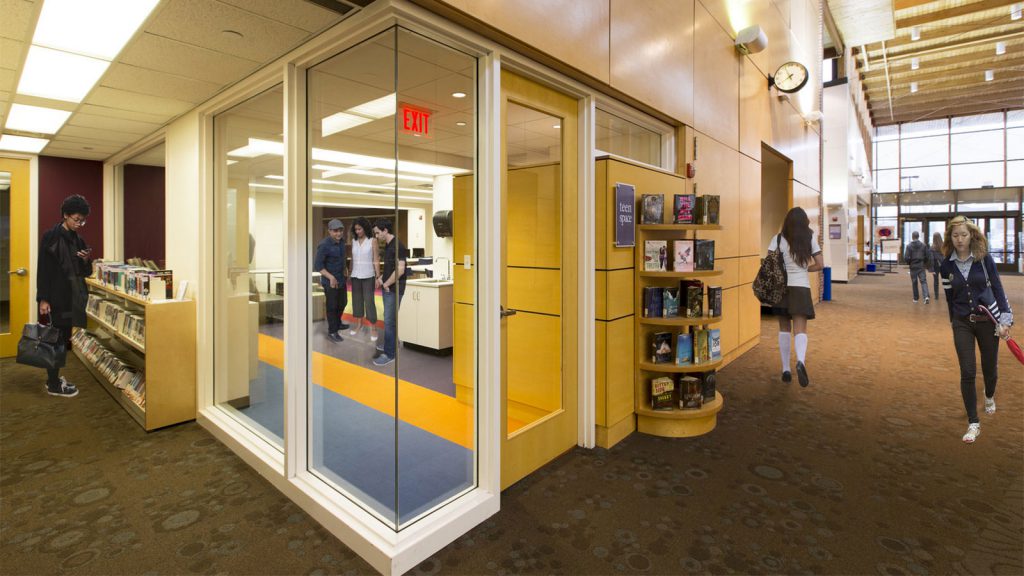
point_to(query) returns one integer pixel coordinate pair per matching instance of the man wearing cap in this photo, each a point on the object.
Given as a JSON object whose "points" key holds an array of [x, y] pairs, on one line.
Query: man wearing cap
{"points": [[330, 262]]}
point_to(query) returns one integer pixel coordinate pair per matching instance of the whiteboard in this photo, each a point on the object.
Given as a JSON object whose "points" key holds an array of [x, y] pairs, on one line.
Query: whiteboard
{"points": [[891, 246]]}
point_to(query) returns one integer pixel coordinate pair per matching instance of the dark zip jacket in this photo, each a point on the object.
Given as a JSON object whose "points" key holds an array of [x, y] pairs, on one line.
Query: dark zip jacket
{"points": [[963, 296], [63, 286]]}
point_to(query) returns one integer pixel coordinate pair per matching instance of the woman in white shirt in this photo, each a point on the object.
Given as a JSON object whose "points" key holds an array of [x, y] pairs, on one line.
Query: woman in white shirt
{"points": [[801, 254], [365, 268]]}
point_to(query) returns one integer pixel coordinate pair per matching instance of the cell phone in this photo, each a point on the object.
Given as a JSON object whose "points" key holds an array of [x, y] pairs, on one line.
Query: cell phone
{"points": [[87, 250]]}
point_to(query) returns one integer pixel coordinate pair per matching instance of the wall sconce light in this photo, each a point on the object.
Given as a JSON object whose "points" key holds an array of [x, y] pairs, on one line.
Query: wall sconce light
{"points": [[812, 117], [751, 40]]}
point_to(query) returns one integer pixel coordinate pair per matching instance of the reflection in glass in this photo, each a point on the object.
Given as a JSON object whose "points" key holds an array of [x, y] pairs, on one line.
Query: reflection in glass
{"points": [[249, 233], [5, 252], [392, 403], [533, 142], [618, 136], [142, 187]]}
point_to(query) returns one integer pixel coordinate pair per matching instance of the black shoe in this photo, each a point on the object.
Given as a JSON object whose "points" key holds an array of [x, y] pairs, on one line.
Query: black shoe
{"points": [[787, 376], [62, 389], [801, 373], [334, 337], [343, 326]]}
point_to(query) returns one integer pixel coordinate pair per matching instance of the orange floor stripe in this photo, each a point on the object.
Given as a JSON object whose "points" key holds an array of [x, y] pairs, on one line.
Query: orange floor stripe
{"points": [[437, 413]]}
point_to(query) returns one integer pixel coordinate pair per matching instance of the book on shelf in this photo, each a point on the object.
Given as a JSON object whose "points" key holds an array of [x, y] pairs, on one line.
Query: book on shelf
{"points": [[670, 301], [704, 254], [653, 302], [690, 397], [708, 382], [682, 208], [655, 255], [661, 347], [653, 211], [682, 255], [694, 300], [714, 301], [701, 352], [706, 211], [684, 349], [715, 344], [661, 393]]}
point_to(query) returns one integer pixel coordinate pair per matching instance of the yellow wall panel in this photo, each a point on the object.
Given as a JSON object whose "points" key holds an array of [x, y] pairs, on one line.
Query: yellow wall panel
{"points": [[619, 294], [661, 77], [716, 94], [535, 360], [730, 268], [718, 173], [730, 320], [534, 196], [749, 314], [464, 288], [749, 212], [604, 237], [755, 110], [601, 373], [535, 290], [463, 346], [749, 266], [619, 369], [462, 217]]}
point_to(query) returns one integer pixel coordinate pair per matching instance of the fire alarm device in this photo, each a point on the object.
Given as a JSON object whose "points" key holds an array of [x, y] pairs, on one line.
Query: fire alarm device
{"points": [[691, 170]]}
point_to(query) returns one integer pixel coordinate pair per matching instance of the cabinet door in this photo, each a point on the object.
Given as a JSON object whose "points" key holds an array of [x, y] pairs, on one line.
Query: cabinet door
{"points": [[408, 316], [427, 327]]}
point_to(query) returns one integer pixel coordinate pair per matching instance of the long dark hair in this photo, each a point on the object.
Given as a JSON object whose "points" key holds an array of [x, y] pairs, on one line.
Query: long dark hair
{"points": [[363, 223], [797, 232]]}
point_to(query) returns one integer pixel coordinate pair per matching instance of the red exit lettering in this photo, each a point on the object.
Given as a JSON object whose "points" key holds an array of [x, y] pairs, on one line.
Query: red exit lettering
{"points": [[415, 120]]}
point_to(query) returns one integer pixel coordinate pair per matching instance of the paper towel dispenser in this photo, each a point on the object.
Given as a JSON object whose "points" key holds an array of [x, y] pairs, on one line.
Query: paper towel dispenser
{"points": [[443, 223]]}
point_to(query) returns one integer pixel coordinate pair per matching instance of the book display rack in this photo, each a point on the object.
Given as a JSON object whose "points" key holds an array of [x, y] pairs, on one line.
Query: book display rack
{"points": [[677, 346], [143, 352]]}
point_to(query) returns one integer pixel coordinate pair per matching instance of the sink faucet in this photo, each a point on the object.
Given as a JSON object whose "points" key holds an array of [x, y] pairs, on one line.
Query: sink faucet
{"points": [[445, 272]]}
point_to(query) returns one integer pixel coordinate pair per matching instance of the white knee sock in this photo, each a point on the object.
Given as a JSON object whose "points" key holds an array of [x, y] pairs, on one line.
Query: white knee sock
{"points": [[784, 350], [801, 347]]}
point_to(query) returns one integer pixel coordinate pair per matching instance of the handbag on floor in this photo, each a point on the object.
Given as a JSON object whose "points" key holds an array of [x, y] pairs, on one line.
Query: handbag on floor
{"points": [[770, 284], [41, 346]]}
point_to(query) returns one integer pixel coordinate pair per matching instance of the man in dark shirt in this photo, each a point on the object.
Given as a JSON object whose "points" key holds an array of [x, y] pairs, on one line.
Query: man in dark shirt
{"points": [[330, 262], [392, 285]]}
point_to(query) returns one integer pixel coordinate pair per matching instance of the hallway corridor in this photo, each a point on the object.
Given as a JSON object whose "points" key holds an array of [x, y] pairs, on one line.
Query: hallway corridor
{"points": [[863, 472]]}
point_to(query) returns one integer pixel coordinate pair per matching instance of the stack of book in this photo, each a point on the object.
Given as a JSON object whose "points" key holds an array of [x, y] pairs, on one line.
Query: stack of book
{"points": [[698, 347], [120, 374]]}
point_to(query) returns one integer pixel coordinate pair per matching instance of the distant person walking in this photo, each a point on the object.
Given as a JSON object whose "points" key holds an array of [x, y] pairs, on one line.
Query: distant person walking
{"points": [[919, 257], [801, 254], [970, 279], [936, 260], [330, 263]]}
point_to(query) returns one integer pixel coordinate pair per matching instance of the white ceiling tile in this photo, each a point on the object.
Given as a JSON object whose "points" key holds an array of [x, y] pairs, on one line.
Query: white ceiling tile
{"points": [[17, 19], [66, 152], [112, 98], [174, 57], [154, 83], [111, 123], [123, 114], [63, 144], [298, 13], [104, 134], [201, 22]]}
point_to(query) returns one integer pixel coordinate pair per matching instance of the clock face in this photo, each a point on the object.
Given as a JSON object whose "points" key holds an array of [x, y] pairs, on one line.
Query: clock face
{"points": [[790, 77]]}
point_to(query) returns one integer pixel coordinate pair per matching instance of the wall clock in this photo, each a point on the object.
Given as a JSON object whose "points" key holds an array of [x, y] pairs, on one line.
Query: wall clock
{"points": [[789, 78]]}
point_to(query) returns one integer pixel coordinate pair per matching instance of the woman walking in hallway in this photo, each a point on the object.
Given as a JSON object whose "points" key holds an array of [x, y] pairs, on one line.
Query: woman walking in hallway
{"points": [[936, 261], [801, 254], [970, 279], [365, 269]]}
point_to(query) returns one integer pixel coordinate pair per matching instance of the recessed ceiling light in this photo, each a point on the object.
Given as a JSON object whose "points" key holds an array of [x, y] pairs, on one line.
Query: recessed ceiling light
{"points": [[913, 87], [458, 94], [59, 75], [1016, 10], [556, 126], [232, 34], [1000, 48], [915, 63], [22, 143], [989, 75], [460, 123], [915, 33], [36, 119], [92, 29]]}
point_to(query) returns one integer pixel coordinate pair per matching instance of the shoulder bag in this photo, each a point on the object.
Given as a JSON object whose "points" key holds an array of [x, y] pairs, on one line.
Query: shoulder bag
{"points": [[770, 284], [41, 346]]}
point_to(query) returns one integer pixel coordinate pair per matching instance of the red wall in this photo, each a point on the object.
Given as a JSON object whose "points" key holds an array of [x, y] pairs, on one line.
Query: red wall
{"points": [[144, 212], [62, 177]]}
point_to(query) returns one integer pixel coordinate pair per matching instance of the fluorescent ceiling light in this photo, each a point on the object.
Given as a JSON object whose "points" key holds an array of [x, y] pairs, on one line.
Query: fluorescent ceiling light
{"points": [[989, 75], [380, 108], [1016, 10], [357, 115], [913, 87], [915, 33], [373, 186], [458, 94], [1000, 48], [331, 171], [272, 186], [22, 143], [273, 177], [59, 75], [915, 63], [258, 147], [98, 28], [340, 122], [373, 194], [36, 119]]}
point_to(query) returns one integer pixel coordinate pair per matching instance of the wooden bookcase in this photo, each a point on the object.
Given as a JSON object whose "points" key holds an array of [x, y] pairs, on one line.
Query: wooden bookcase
{"points": [[674, 423], [168, 357]]}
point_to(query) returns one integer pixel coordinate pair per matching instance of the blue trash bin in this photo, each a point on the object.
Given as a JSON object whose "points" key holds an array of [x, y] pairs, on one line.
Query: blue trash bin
{"points": [[870, 267], [828, 283]]}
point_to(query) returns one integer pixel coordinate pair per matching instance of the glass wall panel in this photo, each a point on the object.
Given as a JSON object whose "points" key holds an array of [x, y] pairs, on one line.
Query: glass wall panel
{"points": [[1015, 173], [890, 132], [887, 154], [1015, 144], [929, 151], [618, 136], [927, 202], [887, 180], [977, 175], [392, 124], [976, 147], [249, 232], [989, 200], [991, 121], [1015, 118], [927, 178], [924, 128]]}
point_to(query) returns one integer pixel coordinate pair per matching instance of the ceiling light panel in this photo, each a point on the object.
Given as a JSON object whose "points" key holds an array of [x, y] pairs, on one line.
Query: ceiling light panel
{"points": [[22, 144], [36, 119], [59, 75], [98, 28]]}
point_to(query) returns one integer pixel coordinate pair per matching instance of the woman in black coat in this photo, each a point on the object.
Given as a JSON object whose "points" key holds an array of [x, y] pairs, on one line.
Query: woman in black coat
{"points": [[60, 281]]}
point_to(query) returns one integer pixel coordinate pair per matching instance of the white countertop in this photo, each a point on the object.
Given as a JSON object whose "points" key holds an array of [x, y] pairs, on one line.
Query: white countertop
{"points": [[429, 282]]}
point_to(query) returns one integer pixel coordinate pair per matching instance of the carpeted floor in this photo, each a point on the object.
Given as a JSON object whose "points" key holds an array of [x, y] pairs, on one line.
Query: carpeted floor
{"points": [[861, 473]]}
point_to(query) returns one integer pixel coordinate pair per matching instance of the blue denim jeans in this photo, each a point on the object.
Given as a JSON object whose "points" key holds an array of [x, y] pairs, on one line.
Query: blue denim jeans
{"points": [[391, 303]]}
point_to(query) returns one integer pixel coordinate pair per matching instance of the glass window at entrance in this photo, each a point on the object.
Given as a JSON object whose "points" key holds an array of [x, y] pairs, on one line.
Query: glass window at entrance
{"points": [[249, 233], [392, 131], [618, 136]]}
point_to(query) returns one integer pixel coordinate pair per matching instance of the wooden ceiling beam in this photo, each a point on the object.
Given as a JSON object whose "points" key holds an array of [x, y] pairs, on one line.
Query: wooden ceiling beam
{"points": [[965, 70], [953, 12], [896, 46], [1007, 100], [904, 4], [972, 93], [943, 113], [946, 86], [956, 80], [978, 53]]}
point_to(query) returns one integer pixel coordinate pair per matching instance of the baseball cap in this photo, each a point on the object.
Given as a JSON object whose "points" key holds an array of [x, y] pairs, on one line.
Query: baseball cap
{"points": [[335, 224]]}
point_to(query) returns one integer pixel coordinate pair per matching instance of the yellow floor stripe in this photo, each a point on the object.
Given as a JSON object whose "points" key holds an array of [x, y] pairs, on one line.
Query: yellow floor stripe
{"points": [[437, 413]]}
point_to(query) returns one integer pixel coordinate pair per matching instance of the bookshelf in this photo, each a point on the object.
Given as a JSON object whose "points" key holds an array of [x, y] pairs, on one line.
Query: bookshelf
{"points": [[677, 422], [165, 355]]}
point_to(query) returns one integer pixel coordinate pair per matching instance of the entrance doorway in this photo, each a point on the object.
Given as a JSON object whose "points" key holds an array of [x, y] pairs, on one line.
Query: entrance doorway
{"points": [[999, 229], [14, 253], [539, 274]]}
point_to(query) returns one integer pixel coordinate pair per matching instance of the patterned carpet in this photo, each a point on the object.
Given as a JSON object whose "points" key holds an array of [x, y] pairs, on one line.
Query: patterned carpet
{"points": [[861, 473]]}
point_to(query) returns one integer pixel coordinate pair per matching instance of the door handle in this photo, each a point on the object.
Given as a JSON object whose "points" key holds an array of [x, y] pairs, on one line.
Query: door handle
{"points": [[509, 312], [18, 272]]}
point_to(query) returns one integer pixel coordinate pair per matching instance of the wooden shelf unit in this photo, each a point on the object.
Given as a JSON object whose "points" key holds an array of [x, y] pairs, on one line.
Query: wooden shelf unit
{"points": [[676, 423], [168, 357]]}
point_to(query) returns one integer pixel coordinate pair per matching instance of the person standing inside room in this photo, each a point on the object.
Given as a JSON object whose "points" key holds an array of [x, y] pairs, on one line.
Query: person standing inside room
{"points": [[60, 283], [801, 254], [970, 279], [330, 262], [365, 270], [392, 285], [918, 256]]}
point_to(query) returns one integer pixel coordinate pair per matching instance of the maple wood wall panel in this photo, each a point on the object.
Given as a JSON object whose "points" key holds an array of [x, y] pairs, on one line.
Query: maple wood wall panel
{"points": [[716, 81], [749, 212], [755, 110], [718, 173], [749, 314], [651, 49], [730, 323], [573, 31], [619, 368]]}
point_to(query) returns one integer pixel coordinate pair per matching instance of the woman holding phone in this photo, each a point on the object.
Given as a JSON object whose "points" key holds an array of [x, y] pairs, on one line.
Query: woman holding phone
{"points": [[60, 281]]}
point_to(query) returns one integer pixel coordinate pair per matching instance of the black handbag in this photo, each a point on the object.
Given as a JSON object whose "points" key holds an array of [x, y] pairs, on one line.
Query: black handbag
{"points": [[41, 346]]}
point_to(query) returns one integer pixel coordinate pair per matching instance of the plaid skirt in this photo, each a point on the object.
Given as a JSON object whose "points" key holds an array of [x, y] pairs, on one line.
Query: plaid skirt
{"points": [[795, 302]]}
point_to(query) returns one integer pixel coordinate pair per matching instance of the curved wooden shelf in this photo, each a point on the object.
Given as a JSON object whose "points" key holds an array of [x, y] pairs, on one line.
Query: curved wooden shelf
{"points": [[671, 274], [704, 411], [678, 227], [681, 321], [670, 367], [680, 423]]}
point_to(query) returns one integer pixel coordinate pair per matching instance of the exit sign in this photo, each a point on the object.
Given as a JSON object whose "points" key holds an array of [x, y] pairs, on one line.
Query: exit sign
{"points": [[415, 120]]}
